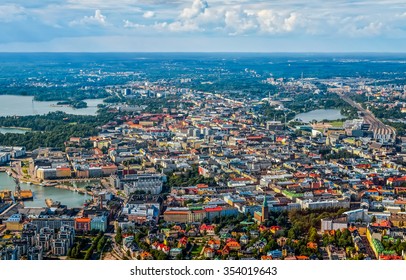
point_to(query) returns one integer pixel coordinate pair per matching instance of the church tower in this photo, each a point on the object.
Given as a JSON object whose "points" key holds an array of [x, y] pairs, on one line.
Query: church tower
{"points": [[265, 210]]}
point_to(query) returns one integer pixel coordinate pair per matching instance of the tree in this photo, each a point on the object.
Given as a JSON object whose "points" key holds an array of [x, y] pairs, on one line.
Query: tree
{"points": [[78, 252], [326, 239], [72, 252], [291, 234], [119, 237], [313, 236], [89, 254], [101, 244], [359, 257]]}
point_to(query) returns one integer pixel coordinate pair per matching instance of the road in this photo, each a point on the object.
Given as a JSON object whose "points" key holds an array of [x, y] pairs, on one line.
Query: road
{"points": [[377, 127]]}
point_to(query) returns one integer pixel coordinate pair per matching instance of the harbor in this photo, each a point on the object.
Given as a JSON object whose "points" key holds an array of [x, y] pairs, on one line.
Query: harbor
{"points": [[74, 189], [71, 196]]}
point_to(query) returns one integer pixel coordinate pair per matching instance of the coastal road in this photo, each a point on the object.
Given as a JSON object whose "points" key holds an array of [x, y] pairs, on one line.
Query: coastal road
{"points": [[376, 126]]}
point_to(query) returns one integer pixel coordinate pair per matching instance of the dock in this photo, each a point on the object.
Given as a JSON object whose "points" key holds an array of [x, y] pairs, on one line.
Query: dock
{"points": [[73, 189]]}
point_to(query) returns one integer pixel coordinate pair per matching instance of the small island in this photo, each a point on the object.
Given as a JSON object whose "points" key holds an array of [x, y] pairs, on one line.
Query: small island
{"points": [[77, 104]]}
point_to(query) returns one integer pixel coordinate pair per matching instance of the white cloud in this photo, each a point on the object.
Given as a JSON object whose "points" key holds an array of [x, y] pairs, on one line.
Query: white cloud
{"points": [[273, 22], [234, 19], [311, 19], [198, 7], [11, 12], [129, 24], [175, 26], [186, 26], [148, 14], [97, 19], [361, 28], [239, 22], [290, 22]]}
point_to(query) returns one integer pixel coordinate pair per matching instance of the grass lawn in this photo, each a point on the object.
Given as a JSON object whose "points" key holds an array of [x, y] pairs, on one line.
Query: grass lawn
{"points": [[337, 123], [196, 250]]}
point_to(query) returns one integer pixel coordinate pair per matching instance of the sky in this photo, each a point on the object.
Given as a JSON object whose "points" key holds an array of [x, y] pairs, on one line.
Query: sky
{"points": [[202, 26]]}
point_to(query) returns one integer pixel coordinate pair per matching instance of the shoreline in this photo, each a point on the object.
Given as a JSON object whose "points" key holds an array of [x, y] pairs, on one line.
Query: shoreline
{"points": [[59, 185], [16, 127], [27, 105], [81, 191]]}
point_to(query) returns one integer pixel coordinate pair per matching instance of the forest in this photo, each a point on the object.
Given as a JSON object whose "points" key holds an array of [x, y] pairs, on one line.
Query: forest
{"points": [[52, 129]]}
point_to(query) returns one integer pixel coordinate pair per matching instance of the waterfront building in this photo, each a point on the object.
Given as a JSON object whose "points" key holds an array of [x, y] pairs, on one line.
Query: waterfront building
{"points": [[15, 152], [53, 173], [99, 223], [82, 224]]}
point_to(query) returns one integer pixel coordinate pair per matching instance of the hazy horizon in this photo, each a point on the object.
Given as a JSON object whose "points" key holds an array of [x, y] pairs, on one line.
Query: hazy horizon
{"points": [[208, 52]]}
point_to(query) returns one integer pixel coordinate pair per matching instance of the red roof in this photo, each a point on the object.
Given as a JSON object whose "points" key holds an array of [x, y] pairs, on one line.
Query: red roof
{"points": [[401, 179], [254, 137], [276, 228], [240, 179], [215, 209], [206, 227], [63, 168], [391, 257], [82, 220], [383, 223], [176, 213]]}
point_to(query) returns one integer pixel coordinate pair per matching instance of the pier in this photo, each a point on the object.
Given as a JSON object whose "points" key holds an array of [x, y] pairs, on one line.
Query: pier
{"points": [[73, 189]]}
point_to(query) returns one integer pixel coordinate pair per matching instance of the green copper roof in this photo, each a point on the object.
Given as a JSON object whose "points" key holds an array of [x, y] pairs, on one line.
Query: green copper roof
{"points": [[265, 203]]}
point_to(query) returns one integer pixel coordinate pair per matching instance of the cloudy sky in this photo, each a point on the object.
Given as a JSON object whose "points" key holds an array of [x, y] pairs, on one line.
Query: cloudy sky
{"points": [[203, 25]]}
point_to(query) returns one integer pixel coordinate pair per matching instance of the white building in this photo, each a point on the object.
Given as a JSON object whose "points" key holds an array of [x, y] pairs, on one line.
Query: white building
{"points": [[318, 203], [147, 183], [15, 152], [333, 224]]}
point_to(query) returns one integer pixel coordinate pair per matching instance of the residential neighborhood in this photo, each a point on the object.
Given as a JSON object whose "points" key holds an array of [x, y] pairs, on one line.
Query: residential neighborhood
{"points": [[207, 179]]}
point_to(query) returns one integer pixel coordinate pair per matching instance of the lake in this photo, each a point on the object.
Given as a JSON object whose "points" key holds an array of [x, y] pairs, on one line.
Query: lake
{"points": [[4, 130], [16, 105], [319, 115], [69, 198]]}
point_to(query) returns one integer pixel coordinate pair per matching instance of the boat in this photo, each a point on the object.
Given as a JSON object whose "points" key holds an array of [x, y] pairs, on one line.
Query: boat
{"points": [[52, 204], [49, 185], [6, 195], [48, 202], [25, 195], [8, 173]]}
